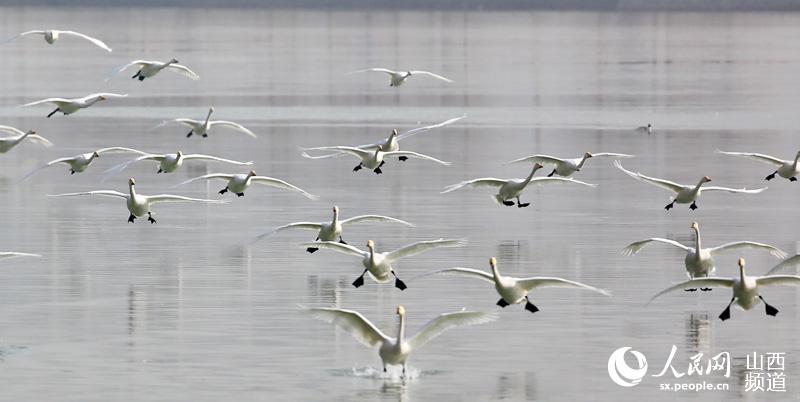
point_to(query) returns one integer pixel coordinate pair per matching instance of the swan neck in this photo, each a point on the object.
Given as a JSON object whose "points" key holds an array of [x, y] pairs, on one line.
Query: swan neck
{"points": [[583, 160], [697, 239], [401, 331], [23, 136], [495, 274], [697, 187], [132, 190], [796, 159], [530, 176], [335, 217], [741, 273], [208, 116]]}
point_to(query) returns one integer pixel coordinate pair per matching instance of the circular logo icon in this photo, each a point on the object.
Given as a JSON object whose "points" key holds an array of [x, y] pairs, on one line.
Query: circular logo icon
{"points": [[621, 373]]}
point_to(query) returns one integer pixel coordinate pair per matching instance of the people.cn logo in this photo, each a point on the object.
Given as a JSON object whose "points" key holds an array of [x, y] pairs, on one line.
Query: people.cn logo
{"points": [[621, 373]]}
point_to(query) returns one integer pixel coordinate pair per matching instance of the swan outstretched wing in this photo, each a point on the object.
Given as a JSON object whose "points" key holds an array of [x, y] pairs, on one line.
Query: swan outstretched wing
{"points": [[756, 157], [472, 273], [294, 225], [12, 130], [791, 261], [216, 159], [351, 322], [5, 255], [543, 159], [791, 280], [342, 248], [103, 94], [665, 184], [221, 176], [611, 154], [236, 126], [418, 156], [106, 193], [374, 69], [178, 198], [273, 182], [421, 246], [34, 32], [696, 283], [96, 41], [357, 152], [538, 181], [184, 71], [418, 130], [635, 247], [552, 282], [446, 321], [375, 218], [124, 165], [138, 63], [733, 190], [430, 74], [39, 140], [51, 163], [748, 244], [475, 183], [56, 101], [120, 150]]}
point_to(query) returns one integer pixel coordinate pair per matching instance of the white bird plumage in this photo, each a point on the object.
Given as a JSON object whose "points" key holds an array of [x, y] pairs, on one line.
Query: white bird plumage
{"points": [[52, 35], [168, 163], [79, 163], [397, 78], [6, 255], [6, 143], [149, 68], [566, 167], [238, 183], [370, 159], [684, 194], [69, 106], [201, 127], [788, 169]]}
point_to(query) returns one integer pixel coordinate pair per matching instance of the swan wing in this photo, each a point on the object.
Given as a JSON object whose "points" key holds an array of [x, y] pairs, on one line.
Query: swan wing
{"points": [[5, 255], [418, 156], [138, 63], [733, 190], [475, 183], [106, 193], [103, 94], [351, 322], [13, 38], [236, 126], [216, 159], [49, 100], [446, 321], [120, 150], [748, 244], [153, 199], [358, 153], [374, 69], [430, 74], [791, 261], [294, 225], [538, 181], [696, 283], [96, 41], [51, 163], [39, 140], [124, 165], [342, 248], [473, 273], [418, 130], [552, 282], [635, 247], [12, 130], [612, 154], [422, 246], [375, 218], [222, 176], [791, 280], [756, 157], [184, 71], [543, 159], [273, 182], [665, 184]]}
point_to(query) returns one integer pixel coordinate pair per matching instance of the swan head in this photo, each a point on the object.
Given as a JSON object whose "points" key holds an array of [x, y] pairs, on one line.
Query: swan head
{"points": [[179, 153], [174, 60], [706, 179], [695, 226], [537, 166], [101, 98], [95, 154], [587, 155], [408, 73], [741, 266], [394, 133], [131, 182], [211, 109], [336, 210], [31, 132], [370, 245], [401, 311], [649, 125], [252, 173], [493, 262]]}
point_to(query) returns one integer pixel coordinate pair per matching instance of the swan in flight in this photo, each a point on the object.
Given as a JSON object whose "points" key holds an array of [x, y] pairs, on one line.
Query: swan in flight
{"points": [[566, 167], [331, 231], [6, 255], [70, 106], [647, 129], [148, 68], [786, 169], [379, 265], [396, 351], [201, 127], [79, 163], [516, 290], [684, 194], [745, 289], [371, 159], [397, 78], [52, 35], [700, 264], [237, 183], [509, 189], [168, 163], [392, 143], [6, 143], [138, 204]]}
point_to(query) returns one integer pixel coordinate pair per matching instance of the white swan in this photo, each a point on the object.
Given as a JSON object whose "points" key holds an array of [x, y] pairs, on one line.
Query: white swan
{"points": [[52, 35], [79, 163], [379, 265], [201, 127], [684, 194], [371, 159], [516, 290], [396, 351], [647, 129], [6, 143], [6, 255], [138, 204], [168, 163], [238, 183], [509, 189], [397, 78], [392, 143], [786, 169], [699, 261], [149, 68], [745, 289], [566, 167], [331, 231], [70, 106]]}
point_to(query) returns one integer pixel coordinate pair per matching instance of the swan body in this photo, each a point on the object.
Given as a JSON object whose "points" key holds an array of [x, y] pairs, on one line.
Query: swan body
{"points": [[371, 159], [138, 204], [396, 351], [746, 289], [79, 163], [202, 127], [332, 231], [238, 183], [788, 169], [7, 143], [566, 167], [7, 255], [509, 189], [684, 194], [516, 290], [379, 265], [70, 106], [52, 35], [168, 163], [397, 78], [699, 261], [149, 68]]}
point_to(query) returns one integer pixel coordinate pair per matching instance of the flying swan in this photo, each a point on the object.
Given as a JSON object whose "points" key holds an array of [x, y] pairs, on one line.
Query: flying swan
{"points": [[331, 231], [79, 163], [510, 189], [201, 127], [70, 106], [683, 194], [396, 351], [370, 159], [6, 143], [238, 183], [52, 35], [397, 78], [149, 68], [516, 290], [566, 167], [168, 163], [786, 169], [701, 264], [379, 265]]}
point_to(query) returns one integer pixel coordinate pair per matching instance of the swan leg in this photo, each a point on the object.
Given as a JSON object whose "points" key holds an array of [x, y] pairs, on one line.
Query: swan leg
{"points": [[519, 205], [205, 135], [141, 78], [378, 170], [159, 171], [357, 168], [552, 173], [398, 283], [150, 218], [52, 113], [693, 206], [342, 240], [224, 190], [770, 177], [403, 158], [190, 134], [312, 249], [404, 369], [508, 203], [131, 218], [502, 303], [71, 171], [670, 205], [137, 74], [360, 280], [529, 306], [690, 290], [769, 308], [726, 314], [793, 179], [240, 194], [706, 289]]}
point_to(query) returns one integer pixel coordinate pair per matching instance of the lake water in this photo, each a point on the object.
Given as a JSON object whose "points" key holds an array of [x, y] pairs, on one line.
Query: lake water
{"points": [[189, 309]]}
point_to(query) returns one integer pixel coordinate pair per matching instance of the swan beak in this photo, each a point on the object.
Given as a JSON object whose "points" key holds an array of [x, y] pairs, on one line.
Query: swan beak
{"points": [[493, 262], [370, 244], [131, 181], [31, 131], [102, 98], [695, 225], [706, 179], [538, 166], [335, 209], [589, 155], [96, 154], [741, 262], [252, 173]]}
